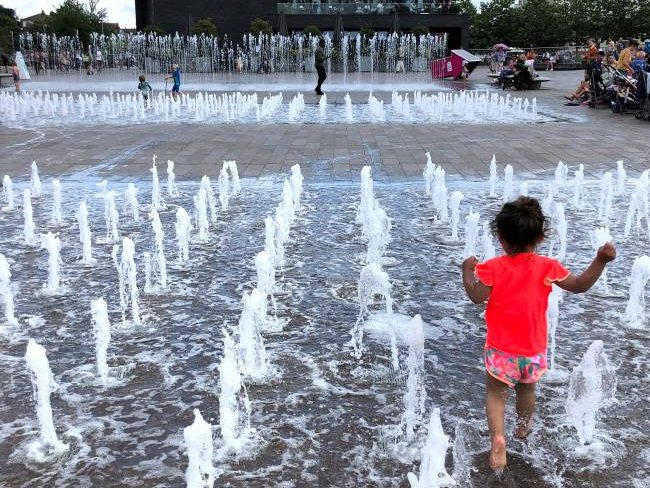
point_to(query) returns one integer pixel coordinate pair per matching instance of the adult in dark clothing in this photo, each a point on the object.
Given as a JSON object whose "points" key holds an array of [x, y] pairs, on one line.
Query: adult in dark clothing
{"points": [[320, 65]]}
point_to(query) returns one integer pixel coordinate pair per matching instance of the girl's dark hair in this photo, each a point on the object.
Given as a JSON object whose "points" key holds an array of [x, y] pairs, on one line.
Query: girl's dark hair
{"points": [[521, 223], [141, 78]]}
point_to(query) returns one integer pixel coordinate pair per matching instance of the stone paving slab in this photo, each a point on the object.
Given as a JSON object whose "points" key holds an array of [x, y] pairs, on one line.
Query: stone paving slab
{"points": [[322, 150]]}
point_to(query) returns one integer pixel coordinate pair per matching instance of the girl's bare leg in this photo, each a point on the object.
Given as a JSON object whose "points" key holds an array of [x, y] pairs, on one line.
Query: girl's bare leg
{"points": [[525, 409], [495, 406]]}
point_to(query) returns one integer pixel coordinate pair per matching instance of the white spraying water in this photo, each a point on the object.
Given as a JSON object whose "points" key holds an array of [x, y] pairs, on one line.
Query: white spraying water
{"points": [[234, 405], [454, 206], [210, 199], [128, 283], [52, 244], [415, 396], [378, 234], [269, 239], [427, 174], [57, 216], [111, 217], [172, 190], [8, 192], [548, 203], [367, 200], [598, 237], [553, 319], [578, 187], [265, 273], [198, 442], [523, 189], [102, 333], [471, 233], [487, 245], [296, 180], [493, 177], [635, 313], [146, 257], [439, 194], [156, 199], [432, 466], [254, 361], [606, 195], [85, 236], [592, 387], [621, 178], [639, 207], [131, 202], [224, 185], [561, 175], [28, 228], [160, 263], [559, 225], [35, 182], [6, 293], [348, 108], [508, 185], [183, 231], [201, 211], [234, 175], [43, 385]]}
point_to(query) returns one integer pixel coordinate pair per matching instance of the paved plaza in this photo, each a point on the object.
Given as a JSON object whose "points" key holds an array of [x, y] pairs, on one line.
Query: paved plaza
{"points": [[338, 151]]}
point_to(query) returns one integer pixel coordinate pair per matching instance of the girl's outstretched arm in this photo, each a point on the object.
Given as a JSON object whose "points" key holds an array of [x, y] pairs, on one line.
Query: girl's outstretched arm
{"points": [[582, 283], [476, 291]]}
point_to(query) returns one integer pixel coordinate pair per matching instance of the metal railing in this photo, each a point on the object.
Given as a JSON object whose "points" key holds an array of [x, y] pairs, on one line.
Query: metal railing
{"points": [[327, 7]]}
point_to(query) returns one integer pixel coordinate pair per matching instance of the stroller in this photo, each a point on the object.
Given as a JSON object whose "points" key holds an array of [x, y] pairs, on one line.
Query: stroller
{"points": [[622, 93], [643, 95], [598, 93]]}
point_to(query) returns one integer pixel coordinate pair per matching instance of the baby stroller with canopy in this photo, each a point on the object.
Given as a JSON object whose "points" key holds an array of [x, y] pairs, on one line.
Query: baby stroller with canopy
{"points": [[597, 86], [622, 93]]}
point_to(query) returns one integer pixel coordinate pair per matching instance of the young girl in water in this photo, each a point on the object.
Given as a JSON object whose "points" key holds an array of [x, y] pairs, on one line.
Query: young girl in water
{"points": [[516, 287]]}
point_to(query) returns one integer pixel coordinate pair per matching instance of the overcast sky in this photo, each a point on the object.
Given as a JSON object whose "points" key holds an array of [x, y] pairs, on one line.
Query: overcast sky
{"points": [[121, 11]]}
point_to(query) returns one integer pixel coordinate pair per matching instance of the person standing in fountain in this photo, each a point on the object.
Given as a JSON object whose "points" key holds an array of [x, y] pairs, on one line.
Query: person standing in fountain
{"points": [[320, 65], [516, 287], [176, 76], [15, 71]]}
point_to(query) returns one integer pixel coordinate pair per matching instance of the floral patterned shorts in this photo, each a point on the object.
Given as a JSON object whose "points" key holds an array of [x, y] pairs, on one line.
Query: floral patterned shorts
{"points": [[512, 369]]}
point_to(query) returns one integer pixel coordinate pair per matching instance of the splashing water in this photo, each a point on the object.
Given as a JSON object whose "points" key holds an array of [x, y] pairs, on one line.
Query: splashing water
{"points": [[578, 187], [635, 310], [254, 361], [102, 333], [378, 234], [454, 206], [488, 251], [156, 199], [234, 405], [201, 211], [439, 194], [28, 229], [559, 225], [416, 395], [606, 195], [172, 191], [432, 466], [493, 177], [234, 174], [127, 278], [269, 239], [210, 198], [621, 178], [53, 246], [592, 387], [427, 174], [183, 231], [160, 263], [561, 175], [224, 185], [471, 233], [508, 186], [57, 217], [348, 109], [523, 189], [367, 200], [8, 191], [198, 441], [85, 236], [35, 182], [296, 180], [5, 291], [43, 385], [131, 202], [639, 206], [111, 217], [265, 273]]}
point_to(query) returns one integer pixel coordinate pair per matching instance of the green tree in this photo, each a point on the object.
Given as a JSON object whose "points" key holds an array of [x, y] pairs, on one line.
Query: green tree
{"points": [[261, 26], [367, 31], [155, 29], [204, 26], [311, 29], [9, 23], [420, 30], [73, 17]]}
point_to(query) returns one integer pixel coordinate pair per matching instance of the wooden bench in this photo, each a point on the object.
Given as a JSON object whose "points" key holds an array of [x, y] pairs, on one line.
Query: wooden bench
{"points": [[535, 84]]}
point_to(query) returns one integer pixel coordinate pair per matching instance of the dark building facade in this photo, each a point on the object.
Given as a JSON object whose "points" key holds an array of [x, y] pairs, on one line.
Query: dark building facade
{"points": [[233, 17]]}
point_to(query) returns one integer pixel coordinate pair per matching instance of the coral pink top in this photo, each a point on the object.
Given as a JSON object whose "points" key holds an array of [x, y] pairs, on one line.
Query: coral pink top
{"points": [[516, 309]]}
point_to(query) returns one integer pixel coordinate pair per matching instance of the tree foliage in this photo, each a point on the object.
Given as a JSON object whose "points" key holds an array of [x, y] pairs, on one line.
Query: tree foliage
{"points": [[311, 29], [73, 17], [555, 22], [9, 23], [261, 26], [204, 26], [420, 30]]}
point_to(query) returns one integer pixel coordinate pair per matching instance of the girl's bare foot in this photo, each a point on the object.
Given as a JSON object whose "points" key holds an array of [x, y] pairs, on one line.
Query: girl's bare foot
{"points": [[523, 429], [498, 453]]}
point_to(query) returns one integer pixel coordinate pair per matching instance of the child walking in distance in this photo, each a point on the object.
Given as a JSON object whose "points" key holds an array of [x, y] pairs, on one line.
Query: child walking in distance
{"points": [[176, 77], [516, 287], [144, 87]]}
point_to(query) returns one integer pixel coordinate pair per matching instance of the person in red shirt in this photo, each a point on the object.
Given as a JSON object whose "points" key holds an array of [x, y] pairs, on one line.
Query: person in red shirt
{"points": [[516, 287]]}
